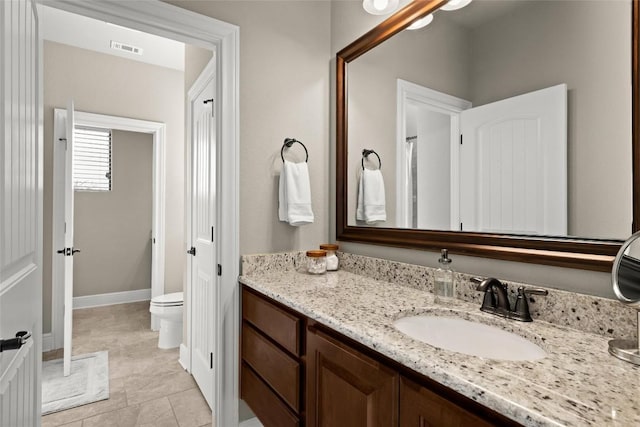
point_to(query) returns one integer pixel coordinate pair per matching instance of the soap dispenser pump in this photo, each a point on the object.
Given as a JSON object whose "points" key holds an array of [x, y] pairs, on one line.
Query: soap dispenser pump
{"points": [[444, 286]]}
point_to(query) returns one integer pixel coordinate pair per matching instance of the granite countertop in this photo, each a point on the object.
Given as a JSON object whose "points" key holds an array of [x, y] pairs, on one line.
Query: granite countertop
{"points": [[577, 384]]}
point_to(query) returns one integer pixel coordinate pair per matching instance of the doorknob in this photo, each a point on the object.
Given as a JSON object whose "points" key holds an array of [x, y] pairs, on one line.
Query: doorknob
{"points": [[15, 343], [73, 251], [192, 251]]}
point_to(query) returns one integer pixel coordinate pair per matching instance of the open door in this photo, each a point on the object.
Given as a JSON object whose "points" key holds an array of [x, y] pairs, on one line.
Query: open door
{"points": [[20, 215], [203, 287], [513, 165], [63, 231]]}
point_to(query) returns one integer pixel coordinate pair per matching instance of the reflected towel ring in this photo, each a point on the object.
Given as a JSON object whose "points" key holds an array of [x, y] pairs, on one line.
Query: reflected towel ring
{"points": [[288, 142], [366, 152]]}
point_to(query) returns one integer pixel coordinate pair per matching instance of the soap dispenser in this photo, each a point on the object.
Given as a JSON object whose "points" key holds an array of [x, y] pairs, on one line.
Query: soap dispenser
{"points": [[444, 286]]}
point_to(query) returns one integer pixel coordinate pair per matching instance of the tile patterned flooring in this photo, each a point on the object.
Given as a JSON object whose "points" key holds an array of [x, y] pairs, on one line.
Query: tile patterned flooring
{"points": [[148, 387]]}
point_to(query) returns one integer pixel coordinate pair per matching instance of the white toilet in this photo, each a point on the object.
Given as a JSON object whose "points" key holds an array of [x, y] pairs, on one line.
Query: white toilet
{"points": [[168, 308]]}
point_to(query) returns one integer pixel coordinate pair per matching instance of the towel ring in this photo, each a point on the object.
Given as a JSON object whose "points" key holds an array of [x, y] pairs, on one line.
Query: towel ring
{"points": [[288, 142], [366, 152]]}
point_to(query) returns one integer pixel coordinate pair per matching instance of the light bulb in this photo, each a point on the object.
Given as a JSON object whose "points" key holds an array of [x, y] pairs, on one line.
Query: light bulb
{"points": [[380, 7], [455, 4], [380, 4], [422, 22]]}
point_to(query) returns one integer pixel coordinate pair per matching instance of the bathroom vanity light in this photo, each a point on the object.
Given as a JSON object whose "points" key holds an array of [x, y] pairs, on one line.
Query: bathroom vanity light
{"points": [[381, 7], [455, 4], [421, 23]]}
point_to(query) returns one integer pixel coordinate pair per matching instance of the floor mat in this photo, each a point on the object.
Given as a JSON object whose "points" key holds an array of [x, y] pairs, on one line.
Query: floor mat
{"points": [[88, 382]]}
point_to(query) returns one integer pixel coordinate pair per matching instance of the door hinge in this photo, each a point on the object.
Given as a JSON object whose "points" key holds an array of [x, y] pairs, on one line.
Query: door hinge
{"points": [[460, 226], [192, 251], [210, 360], [219, 270], [212, 234], [460, 139]]}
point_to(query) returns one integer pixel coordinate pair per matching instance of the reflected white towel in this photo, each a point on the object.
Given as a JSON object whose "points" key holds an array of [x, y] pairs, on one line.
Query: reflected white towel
{"points": [[371, 197], [295, 194]]}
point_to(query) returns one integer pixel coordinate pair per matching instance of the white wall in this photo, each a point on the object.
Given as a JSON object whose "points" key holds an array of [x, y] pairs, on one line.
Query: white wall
{"points": [[434, 170], [104, 84]]}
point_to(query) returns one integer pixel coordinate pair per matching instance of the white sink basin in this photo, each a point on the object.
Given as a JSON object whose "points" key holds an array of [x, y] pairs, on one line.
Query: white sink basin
{"points": [[468, 337]]}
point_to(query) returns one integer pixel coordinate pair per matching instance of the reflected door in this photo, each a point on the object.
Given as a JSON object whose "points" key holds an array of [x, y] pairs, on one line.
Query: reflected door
{"points": [[513, 165]]}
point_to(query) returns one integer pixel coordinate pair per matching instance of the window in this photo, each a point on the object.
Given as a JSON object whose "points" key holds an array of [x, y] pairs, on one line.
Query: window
{"points": [[91, 159]]}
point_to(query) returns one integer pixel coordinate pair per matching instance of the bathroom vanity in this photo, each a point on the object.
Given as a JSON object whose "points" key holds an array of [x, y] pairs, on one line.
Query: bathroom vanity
{"points": [[345, 383], [322, 350]]}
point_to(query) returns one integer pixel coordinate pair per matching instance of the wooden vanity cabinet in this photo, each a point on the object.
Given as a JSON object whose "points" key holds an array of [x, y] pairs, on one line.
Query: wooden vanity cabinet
{"points": [[421, 407], [346, 387], [271, 367], [297, 372]]}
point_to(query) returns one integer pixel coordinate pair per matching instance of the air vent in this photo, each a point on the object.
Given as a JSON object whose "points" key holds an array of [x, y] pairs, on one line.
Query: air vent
{"points": [[126, 47]]}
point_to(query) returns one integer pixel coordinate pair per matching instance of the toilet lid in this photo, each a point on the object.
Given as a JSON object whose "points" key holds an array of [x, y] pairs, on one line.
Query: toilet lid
{"points": [[175, 298]]}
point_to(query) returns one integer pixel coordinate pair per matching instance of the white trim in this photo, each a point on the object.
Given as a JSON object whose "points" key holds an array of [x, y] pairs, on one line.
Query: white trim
{"points": [[169, 21], [158, 132], [111, 298], [436, 101], [47, 342], [185, 357]]}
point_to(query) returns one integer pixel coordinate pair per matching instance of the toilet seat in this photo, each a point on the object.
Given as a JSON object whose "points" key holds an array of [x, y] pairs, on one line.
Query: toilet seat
{"points": [[168, 300]]}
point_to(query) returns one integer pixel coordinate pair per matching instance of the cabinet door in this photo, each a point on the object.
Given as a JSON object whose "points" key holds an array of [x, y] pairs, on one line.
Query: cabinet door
{"points": [[420, 407], [347, 388]]}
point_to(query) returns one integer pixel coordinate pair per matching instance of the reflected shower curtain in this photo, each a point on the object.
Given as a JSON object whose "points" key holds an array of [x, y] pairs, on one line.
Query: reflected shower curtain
{"points": [[411, 180]]}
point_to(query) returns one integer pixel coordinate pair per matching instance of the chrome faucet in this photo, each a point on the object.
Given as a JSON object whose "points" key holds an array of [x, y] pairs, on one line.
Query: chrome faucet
{"points": [[496, 299]]}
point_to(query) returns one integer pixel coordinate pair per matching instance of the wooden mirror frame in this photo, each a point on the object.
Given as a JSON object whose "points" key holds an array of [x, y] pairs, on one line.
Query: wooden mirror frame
{"points": [[587, 254]]}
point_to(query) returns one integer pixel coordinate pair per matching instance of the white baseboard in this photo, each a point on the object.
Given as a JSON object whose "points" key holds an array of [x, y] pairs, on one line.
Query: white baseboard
{"points": [[47, 342], [112, 298], [185, 360]]}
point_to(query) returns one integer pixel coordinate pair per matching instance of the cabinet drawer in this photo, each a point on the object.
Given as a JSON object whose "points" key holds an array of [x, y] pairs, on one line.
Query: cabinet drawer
{"points": [[264, 403], [279, 325], [420, 407], [275, 367]]}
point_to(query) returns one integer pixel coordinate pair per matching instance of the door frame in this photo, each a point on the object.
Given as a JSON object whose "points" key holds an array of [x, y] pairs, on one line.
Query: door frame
{"points": [[442, 103], [173, 22], [158, 132]]}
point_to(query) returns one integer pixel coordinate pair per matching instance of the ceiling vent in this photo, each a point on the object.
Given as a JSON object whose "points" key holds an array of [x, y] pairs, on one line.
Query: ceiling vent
{"points": [[126, 47]]}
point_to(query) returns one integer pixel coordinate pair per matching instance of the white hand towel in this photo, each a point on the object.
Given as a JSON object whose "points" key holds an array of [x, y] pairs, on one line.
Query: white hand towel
{"points": [[371, 197], [295, 194]]}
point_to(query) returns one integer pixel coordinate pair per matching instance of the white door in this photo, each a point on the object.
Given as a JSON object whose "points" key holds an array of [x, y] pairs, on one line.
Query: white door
{"points": [[20, 212], [513, 165], [68, 251], [63, 205], [203, 218]]}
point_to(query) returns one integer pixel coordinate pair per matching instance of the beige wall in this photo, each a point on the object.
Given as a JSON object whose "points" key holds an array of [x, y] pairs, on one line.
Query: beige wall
{"points": [[105, 84], [284, 92], [113, 229]]}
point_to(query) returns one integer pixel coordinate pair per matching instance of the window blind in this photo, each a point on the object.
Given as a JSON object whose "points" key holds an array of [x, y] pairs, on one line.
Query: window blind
{"points": [[91, 159]]}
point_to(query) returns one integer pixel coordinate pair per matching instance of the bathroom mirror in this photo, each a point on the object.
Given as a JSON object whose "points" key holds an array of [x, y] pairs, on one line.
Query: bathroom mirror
{"points": [[577, 246], [625, 276]]}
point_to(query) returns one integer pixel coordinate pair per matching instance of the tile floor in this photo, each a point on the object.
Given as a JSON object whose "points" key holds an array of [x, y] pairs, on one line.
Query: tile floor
{"points": [[148, 387]]}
